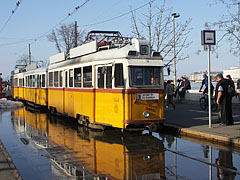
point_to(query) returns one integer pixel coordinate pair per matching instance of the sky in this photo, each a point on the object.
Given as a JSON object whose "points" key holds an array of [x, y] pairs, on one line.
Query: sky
{"points": [[33, 19]]}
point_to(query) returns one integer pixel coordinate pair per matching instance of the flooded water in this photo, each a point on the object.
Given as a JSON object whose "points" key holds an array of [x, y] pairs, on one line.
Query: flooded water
{"points": [[46, 147]]}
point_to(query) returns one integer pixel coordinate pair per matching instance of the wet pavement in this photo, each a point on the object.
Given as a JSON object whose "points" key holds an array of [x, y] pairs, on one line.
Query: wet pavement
{"points": [[47, 147]]}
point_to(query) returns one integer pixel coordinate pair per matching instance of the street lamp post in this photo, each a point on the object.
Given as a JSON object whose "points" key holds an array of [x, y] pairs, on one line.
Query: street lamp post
{"points": [[174, 15]]}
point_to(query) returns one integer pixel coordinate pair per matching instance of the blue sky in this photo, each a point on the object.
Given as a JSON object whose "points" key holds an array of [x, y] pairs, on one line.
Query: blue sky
{"points": [[34, 18]]}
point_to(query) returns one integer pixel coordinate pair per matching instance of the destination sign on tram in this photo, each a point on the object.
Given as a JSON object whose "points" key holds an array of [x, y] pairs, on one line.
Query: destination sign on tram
{"points": [[147, 96]]}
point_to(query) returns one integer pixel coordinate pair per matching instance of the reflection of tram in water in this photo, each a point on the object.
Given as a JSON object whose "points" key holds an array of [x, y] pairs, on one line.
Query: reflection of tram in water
{"points": [[83, 152], [108, 81]]}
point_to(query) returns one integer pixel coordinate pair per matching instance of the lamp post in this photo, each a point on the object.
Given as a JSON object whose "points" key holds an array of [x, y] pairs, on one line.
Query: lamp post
{"points": [[174, 15]]}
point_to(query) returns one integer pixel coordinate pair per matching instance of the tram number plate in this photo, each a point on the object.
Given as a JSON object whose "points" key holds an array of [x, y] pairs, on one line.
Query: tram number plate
{"points": [[147, 96]]}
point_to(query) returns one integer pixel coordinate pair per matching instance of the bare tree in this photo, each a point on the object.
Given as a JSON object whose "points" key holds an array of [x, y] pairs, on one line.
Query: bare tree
{"points": [[23, 60], [228, 26], [64, 37], [158, 28]]}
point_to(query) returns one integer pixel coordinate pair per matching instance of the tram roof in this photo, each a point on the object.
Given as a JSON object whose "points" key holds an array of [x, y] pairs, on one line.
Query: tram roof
{"points": [[32, 71], [130, 51]]}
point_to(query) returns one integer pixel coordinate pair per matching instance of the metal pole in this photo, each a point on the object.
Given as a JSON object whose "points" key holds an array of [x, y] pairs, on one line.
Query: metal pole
{"points": [[75, 34], [209, 89], [29, 53], [174, 56], [210, 162], [175, 158]]}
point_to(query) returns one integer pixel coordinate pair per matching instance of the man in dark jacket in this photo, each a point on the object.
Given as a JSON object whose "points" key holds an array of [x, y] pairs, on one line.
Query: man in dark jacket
{"points": [[169, 91], [224, 100]]}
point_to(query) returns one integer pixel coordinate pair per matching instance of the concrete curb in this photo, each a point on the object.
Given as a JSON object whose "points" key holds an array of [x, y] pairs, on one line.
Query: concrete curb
{"points": [[205, 136], [211, 137]]}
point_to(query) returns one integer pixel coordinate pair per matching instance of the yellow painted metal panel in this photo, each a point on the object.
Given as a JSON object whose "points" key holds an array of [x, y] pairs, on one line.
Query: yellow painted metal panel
{"points": [[30, 94], [55, 99], [109, 109], [70, 103], [21, 93], [87, 104], [41, 97], [15, 92]]}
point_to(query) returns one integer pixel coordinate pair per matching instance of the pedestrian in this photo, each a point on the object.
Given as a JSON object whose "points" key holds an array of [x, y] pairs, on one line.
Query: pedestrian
{"points": [[238, 88], [224, 100], [180, 88], [187, 84], [169, 91], [232, 82], [205, 83]]}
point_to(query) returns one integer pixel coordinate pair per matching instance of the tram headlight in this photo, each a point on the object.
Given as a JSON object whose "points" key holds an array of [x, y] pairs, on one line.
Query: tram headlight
{"points": [[146, 157], [146, 114]]}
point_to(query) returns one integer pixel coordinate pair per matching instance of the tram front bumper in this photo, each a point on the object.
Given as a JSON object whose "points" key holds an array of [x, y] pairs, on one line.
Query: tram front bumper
{"points": [[150, 121]]}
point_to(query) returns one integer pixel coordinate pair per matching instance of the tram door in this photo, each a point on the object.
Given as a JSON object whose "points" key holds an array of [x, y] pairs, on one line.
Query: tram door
{"points": [[103, 96]]}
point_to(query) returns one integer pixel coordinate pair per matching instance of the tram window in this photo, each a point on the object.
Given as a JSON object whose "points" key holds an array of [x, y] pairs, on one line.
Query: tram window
{"points": [[33, 81], [56, 79], [109, 77], [66, 79], [71, 78], [20, 82], [23, 82], [43, 80], [16, 82], [145, 76], [28, 81], [51, 79], [100, 77], [38, 81], [87, 76], [60, 78], [118, 74], [77, 77]]}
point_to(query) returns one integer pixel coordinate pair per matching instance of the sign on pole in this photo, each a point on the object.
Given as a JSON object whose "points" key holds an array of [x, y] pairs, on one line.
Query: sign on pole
{"points": [[208, 38]]}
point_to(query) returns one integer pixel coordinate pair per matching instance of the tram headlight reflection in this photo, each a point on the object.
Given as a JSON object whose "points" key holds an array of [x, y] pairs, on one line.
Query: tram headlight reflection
{"points": [[146, 114]]}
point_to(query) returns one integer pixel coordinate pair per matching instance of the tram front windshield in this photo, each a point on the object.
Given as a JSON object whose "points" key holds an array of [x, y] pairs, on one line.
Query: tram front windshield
{"points": [[144, 76]]}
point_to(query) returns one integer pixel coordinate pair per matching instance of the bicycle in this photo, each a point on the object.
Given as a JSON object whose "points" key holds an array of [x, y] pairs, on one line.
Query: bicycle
{"points": [[203, 101]]}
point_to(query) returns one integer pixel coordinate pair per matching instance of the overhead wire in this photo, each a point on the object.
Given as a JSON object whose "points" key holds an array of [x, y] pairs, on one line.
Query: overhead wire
{"points": [[13, 11], [116, 17], [86, 25], [60, 22]]}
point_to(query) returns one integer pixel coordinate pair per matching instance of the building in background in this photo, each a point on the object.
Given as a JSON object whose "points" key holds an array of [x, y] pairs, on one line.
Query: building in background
{"points": [[198, 76], [234, 72]]}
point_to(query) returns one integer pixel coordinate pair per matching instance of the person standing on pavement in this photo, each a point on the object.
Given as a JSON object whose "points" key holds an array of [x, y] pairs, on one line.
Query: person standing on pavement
{"points": [[230, 79], [169, 91], [224, 100], [238, 89]]}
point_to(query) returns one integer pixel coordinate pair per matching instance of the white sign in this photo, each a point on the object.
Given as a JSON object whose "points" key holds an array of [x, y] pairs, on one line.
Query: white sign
{"points": [[208, 37], [147, 96]]}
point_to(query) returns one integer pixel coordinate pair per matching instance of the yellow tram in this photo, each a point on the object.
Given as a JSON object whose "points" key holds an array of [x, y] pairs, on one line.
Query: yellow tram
{"points": [[30, 85], [108, 81]]}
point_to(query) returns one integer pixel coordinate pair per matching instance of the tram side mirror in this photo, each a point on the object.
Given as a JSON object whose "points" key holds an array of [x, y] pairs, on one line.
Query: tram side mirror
{"points": [[168, 71]]}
